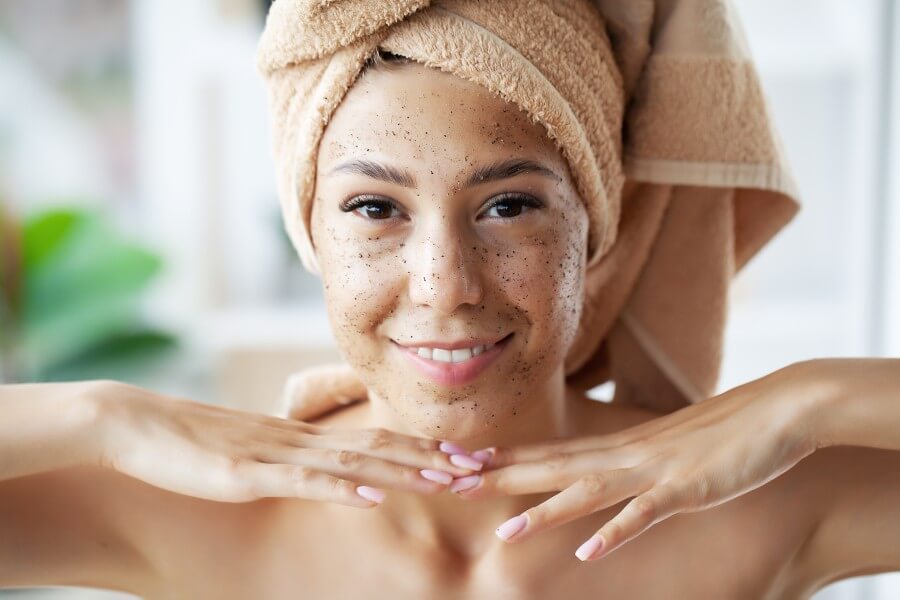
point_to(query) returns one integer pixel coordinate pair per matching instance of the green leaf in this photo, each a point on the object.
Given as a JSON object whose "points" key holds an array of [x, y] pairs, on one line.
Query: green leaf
{"points": [[44, 233], [82, 285], [10, 277], [86, 263], [118, 357], [68, 333]]}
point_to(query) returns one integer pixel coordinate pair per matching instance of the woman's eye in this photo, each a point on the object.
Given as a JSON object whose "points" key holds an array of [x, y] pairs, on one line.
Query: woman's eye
{"points": [[511, 206], [369, 208], [506, 207]]}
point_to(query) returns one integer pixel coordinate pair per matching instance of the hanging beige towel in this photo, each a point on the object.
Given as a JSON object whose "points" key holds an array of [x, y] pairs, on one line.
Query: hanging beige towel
{"points": [[655, 105]]}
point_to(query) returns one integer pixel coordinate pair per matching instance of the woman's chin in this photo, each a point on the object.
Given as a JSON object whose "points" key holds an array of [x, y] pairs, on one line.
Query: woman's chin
{"points": [[464, 419]]}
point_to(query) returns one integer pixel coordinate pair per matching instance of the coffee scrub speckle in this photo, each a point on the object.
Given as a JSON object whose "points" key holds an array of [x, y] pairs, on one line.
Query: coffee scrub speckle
{"points": [[414, 243]]}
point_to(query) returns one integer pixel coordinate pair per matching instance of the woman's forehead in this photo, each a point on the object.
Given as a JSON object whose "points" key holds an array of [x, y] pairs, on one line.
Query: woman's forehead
{"points": [[420, 114]]}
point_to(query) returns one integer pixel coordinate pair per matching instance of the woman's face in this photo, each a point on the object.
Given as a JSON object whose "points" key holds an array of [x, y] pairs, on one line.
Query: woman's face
{"points": [[416, 253]]}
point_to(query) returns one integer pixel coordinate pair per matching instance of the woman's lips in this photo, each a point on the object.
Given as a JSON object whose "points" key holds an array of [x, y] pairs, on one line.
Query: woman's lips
{"points": [[460, 373]]}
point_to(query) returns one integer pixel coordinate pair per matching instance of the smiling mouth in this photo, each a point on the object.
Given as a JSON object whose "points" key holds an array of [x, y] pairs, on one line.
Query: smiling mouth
{"points": [[453, 367], [452, 355]]}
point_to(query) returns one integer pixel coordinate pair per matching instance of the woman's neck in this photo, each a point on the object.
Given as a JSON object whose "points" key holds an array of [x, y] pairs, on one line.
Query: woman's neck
{"points": [[467, 527]]}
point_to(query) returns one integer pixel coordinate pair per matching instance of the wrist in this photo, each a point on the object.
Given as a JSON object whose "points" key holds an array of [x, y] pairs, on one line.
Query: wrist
{"points": [[860, 403], [820, 394], [91, 417]]}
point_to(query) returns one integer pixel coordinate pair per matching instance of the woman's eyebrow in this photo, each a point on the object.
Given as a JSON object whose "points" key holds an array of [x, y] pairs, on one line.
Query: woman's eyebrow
{"points": [[492, 172]]}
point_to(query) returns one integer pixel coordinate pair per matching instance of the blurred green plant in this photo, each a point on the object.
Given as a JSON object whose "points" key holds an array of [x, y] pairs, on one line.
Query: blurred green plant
{"points": [[71, 299]]}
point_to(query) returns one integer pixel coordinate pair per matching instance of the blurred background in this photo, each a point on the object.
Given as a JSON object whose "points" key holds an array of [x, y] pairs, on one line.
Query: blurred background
{"points": [[140, 237]]}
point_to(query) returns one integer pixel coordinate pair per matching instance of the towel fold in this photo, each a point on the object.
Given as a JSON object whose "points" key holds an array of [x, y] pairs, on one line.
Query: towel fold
{"points": [[655, 105]]}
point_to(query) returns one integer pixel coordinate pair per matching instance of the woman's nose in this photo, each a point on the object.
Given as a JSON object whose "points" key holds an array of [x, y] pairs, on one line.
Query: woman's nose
{"points": [[442, 274]]}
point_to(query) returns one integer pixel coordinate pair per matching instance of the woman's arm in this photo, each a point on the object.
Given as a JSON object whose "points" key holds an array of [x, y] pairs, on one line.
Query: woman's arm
{"points": [[44, 427], [713, 451], [862, 404], [855, 473], [60, 521], [65, 450]]}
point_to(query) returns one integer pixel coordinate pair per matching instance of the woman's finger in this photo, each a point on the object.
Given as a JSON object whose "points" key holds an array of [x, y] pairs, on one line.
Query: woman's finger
{"points": [[316, 391], [361, 468], [262, 480], [499, 457], [503, 457], [587, 495], [548, 475], [395, 447], [638, 515]]}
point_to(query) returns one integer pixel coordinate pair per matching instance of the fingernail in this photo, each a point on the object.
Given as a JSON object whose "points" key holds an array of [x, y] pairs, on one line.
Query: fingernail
{"points": [[465, 483], [466, 462], [451, 448], [588, 549], [483, 456], [436, 476], [371, 494], [511, 527]]}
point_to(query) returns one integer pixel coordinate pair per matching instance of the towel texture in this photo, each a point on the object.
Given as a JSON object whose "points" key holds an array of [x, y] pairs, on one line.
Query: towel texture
{"points": [[655, 105]]}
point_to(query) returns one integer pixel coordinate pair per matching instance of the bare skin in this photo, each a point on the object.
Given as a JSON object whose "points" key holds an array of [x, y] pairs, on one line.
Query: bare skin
{"points": [[445, 266], [104, 529]]}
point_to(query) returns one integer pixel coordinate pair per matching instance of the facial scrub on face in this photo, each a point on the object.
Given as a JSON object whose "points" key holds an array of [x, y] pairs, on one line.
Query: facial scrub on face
{"points": [[655, 106]]}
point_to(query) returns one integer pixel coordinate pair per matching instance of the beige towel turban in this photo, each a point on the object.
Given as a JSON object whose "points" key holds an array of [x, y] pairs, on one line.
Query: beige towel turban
{"points": [[655, 105]]}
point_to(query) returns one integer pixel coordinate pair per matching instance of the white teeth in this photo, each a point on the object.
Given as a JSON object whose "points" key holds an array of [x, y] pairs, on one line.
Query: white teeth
{"points": [[461, 354], [452, 356], [441, 354]]}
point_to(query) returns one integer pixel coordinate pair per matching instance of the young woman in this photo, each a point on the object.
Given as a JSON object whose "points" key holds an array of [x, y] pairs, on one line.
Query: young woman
{"points": [[756, 493], [111, 486]]}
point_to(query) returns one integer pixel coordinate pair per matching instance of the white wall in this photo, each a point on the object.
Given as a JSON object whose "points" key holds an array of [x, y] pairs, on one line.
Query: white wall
{"points": [[825, 286]]}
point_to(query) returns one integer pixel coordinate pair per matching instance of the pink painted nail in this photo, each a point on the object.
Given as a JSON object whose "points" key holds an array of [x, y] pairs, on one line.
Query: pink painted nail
{"points": [[465, 461], [465, 483], [512, 527], [451, 448], [588, 549], [436, 476], [371, 494], [483, 456]]}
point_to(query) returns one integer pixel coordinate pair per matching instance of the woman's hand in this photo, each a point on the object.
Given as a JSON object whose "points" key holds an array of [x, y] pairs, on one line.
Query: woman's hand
{"points": [[235, 456], [690, 460]]}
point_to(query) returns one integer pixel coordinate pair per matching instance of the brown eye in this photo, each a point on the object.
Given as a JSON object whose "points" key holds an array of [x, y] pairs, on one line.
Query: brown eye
{"points": [[376, 210], [369, 207], [510, 206]]}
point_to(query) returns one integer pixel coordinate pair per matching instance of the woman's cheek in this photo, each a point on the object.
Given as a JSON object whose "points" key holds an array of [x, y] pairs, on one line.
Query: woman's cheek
{"points": [[571, 249], [360, 285], [543, 275]]}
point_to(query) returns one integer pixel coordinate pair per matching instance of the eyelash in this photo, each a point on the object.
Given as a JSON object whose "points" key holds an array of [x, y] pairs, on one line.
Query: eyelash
{"points": [[351, 204]]}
